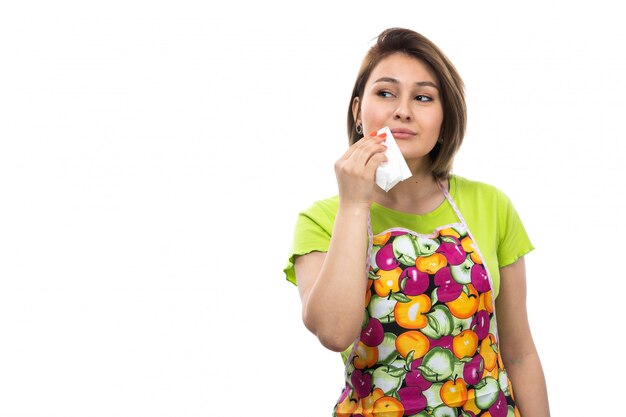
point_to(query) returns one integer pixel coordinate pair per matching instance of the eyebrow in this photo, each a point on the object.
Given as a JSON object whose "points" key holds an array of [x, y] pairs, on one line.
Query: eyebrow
{"points": [[420, 83]]}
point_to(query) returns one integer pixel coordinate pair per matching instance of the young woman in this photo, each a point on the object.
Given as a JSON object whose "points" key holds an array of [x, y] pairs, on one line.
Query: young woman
{"points": [[407, 283]]}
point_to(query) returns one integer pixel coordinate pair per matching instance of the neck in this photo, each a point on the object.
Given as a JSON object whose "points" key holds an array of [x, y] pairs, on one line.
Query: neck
{"points": [[418, 194]]}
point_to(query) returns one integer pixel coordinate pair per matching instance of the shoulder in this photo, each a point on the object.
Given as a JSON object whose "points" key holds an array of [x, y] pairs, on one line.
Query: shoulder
{"points": [[320, 214], [482, 200], [327, 206], [322, 209], [466, 185], [477, 190]]}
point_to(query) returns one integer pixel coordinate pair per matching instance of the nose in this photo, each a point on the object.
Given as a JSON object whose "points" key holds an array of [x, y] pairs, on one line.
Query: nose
{"points": [[403, 112]]}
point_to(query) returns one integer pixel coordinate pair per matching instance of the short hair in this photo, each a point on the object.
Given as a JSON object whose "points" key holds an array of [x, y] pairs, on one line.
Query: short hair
{"points": [[451, 88]]}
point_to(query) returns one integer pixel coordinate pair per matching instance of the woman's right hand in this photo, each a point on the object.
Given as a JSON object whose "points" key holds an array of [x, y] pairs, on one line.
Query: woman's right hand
{"points": [[356, 170]]}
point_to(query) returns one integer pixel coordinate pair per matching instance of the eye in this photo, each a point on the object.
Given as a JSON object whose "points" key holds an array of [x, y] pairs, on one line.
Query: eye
{"points": [[383, 93], [423, 98]]}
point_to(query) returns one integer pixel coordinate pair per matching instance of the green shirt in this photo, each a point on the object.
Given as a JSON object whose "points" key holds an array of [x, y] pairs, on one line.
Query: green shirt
{"points": [[490, 216]]}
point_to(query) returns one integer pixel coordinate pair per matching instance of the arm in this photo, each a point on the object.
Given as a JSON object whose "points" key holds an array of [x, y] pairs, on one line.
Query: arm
{"points": [[332, 285], [517, 347]]}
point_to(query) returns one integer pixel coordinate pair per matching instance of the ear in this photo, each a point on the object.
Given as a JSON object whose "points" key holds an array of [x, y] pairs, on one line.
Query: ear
{"points": [[356, 110]]}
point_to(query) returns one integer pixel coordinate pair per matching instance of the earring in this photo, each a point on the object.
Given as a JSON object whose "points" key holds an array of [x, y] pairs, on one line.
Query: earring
{"points": [[359, 129]]}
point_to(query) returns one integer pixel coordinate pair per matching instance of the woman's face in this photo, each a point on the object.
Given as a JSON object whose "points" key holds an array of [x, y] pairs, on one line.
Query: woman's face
{"points": [[402, 92]]}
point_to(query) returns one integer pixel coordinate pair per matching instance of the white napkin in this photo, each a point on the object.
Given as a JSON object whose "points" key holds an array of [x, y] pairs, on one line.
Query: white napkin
{"points": [[395, 169]]}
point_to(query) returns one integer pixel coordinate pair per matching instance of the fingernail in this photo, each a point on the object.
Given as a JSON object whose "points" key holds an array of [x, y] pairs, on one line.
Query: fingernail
{"points": [[383, 135], [373, 133]]}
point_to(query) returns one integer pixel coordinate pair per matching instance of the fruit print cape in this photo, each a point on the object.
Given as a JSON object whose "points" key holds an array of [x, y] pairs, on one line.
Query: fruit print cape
{"points": [[429, 340]]}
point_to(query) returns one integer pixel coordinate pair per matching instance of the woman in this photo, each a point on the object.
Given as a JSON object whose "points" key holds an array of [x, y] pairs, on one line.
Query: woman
{"points": [[404, 282]]}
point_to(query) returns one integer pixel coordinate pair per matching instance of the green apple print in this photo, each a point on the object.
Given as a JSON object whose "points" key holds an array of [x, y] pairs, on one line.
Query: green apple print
{"points": [[444, 411], [440, 322], [433, 395], [461, 324], [503, 380], [462, 273], [373, 264], [437, 365], [387, 352], [381, 308], [405, 249], [487, 392], [427, 247], [388, 378]]}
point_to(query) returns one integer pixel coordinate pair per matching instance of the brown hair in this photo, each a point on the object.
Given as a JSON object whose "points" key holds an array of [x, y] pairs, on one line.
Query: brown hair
{"points": [[451, 87]]}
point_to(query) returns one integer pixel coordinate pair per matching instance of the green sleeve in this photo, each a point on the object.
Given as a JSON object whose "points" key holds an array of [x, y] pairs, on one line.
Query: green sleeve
{"points": [[513, 241], [312, 232]]}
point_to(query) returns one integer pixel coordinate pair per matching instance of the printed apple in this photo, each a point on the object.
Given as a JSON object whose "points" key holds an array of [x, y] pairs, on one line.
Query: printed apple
{"points": [[461, 324], [480, 324], [454, 392], [381, 308], [367, 404], [373, 333], [487, 393], [387, 352], [426, 246], [473, 370], [414, 377], [480, 279], [444, 411], [462, 273], [437, 365], [444, 342], [433, 395], [388, 378], [385, 259], [381, 239], [405, 249], [362, 383], [500, 407], [447, 288], [373, 263], [503, 380], [346, 406], [412, 399], [387, 406], [451, 248], [410, 315], [440, 322], [413, 281], [408, 247]]}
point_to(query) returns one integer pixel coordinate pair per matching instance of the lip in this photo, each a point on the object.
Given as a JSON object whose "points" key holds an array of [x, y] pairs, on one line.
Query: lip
{"points": [[402, 133]]}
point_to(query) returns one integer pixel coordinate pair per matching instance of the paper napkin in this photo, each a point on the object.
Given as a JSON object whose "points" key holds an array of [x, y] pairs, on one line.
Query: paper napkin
{"points": [[395, 169]]}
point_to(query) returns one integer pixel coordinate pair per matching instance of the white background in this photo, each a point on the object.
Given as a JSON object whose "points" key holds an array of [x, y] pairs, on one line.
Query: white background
{"points": [[154, 157]]}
